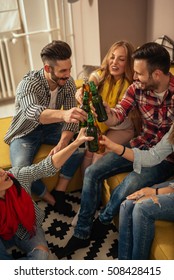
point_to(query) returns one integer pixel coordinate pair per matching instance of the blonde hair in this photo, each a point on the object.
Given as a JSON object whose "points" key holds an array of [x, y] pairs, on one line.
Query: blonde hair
{"points": [[104, 68]]}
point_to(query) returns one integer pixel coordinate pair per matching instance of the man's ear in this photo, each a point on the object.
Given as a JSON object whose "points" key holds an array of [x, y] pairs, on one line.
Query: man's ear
{"points": [[157, 74], [47, 68]]}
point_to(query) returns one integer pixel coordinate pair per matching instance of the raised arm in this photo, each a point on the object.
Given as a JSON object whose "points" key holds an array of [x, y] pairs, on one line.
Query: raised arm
{"points": [[59, 158], [50, 165], [142, 158]]}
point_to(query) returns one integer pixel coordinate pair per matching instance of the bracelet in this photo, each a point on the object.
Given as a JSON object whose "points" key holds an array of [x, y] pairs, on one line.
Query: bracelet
{"points": [[124, 148], [157, 191]]}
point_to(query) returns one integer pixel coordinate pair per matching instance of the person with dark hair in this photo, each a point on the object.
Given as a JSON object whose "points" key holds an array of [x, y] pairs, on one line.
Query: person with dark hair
{"points": [[46, 113], [20, 217], [151, 93], [142, 208]]}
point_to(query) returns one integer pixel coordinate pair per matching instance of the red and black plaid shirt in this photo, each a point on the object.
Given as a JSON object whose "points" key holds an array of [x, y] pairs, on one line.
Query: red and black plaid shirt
{"points": [[157, 114]]}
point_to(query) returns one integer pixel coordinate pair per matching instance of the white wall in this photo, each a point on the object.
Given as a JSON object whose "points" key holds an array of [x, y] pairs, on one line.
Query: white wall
{"points": [[160, 19], [122, 20], [99, 23]]}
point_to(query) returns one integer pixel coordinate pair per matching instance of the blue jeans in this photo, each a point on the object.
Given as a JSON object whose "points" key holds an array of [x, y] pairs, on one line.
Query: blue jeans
{"points": [[137, 224], [23, 151], [104, 168], [27, 245]]}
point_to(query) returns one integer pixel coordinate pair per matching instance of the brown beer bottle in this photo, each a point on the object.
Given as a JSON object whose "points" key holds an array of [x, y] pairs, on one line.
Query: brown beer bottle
{"points": [[101, 149], [85, 106], [86, 87]]}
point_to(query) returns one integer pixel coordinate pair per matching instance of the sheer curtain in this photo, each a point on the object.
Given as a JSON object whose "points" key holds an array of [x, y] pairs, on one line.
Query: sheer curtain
{"points": [[9, 16]]}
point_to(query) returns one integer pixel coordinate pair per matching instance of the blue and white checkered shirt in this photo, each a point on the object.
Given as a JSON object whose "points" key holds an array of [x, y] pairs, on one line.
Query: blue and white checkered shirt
{"points": [[25, 176], [32, 98]]}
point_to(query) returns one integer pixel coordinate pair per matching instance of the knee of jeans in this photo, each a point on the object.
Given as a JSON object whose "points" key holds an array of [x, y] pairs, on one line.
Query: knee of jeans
{"points": [[90, 171], [20, 161], [41, 251], [78, 156], [39, 190], [42, 247], [141, 210], [142, 207], [126, 204], [61, 175]]}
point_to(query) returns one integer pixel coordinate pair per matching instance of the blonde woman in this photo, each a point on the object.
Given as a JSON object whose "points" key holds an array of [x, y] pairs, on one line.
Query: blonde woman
{"points": [[112, 78]]}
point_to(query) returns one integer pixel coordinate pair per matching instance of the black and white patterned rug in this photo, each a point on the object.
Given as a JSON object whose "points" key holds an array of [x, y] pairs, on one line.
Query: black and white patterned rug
{"points": [[58, 230]]}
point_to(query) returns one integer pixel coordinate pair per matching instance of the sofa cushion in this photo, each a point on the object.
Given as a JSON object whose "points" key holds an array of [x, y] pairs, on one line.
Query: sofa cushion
{"points": [[79, 83], [163, 243], [4, 148]]}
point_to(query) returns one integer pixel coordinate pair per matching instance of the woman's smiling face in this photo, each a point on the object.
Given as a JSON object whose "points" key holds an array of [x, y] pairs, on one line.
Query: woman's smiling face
{"points": [[117, 62], [5, 180]]}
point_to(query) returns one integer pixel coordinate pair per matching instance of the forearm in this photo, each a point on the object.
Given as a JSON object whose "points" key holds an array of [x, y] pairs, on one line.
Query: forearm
{"points": [[153, 156], [66, 137], [59, 158], [157, 191], [120, 150], [125, 152], [122, 109], [150, 192], [51, 116], [166, 190]]}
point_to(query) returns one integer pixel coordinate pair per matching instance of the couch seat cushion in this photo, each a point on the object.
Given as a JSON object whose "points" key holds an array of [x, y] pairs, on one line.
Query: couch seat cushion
{"points": [[163, 243], [4, 148]]}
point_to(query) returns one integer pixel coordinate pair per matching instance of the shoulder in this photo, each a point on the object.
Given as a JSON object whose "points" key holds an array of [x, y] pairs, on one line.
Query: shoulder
{"points": [[132, 88], [15, 171], [34, 75], [33, 80], [97, 75]]}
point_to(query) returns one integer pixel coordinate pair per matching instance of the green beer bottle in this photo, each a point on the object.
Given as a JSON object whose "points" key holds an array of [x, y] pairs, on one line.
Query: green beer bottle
{"points": [[98, 103], [91, 130]]}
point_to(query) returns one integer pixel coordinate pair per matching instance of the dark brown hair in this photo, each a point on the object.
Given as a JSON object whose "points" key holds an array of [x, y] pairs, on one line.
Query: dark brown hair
{"points": [[56, 50], [156, 55]]}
